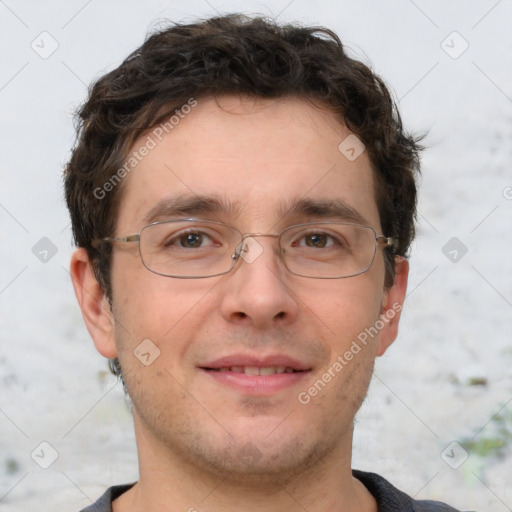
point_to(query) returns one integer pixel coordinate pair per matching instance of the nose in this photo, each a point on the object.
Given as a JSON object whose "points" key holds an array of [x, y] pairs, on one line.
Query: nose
{"points": [[257, 292]]}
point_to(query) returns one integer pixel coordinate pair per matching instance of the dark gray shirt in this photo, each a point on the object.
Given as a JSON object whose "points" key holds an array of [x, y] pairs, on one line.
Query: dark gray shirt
{"points": [[388, 497]]}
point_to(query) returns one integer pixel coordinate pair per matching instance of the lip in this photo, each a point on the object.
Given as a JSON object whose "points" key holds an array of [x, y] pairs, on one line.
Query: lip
{"points": [[249, 360], [256, 385]]}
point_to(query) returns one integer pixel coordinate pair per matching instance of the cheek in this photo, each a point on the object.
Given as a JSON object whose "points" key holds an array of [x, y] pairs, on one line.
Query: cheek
{"points": [[347, 307], [166, 311]]}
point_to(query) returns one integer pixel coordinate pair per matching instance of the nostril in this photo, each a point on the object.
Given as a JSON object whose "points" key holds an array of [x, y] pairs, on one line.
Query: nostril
{"points": [[280, 315]]}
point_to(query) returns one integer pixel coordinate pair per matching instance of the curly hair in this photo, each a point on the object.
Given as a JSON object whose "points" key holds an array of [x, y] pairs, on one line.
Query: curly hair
{"points": [[234, 54]]}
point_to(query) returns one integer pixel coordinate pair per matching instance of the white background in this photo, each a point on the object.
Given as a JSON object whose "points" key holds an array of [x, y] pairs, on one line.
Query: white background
{"points": [[457, 322]]}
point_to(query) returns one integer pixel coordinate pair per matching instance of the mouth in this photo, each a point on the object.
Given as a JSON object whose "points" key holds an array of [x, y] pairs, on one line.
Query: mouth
{"points": [[255, 370], [256, 376]]}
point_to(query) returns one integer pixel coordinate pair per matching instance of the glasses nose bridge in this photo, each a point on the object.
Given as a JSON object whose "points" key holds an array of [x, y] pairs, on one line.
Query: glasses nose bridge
{"points": [[256, 235], [245, 236], [242, 244]]}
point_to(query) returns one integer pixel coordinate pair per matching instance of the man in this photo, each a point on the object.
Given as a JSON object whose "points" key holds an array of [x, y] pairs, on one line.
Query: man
{"points": [[243, 199]]}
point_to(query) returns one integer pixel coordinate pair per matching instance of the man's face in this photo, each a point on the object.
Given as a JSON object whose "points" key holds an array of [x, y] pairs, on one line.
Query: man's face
{"points": [[261, 158]]}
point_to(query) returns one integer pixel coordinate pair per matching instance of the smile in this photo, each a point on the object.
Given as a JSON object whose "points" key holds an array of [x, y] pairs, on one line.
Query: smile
{"points": [[256, 376], [255, 370]]}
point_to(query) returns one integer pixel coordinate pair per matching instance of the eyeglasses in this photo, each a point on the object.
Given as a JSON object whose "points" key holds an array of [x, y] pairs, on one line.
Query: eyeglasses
{"points": [[193, 248]]}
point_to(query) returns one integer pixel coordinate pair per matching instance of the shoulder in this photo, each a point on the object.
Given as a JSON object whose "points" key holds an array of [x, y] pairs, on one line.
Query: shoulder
{"points": [[104, 502], [391, 499]]}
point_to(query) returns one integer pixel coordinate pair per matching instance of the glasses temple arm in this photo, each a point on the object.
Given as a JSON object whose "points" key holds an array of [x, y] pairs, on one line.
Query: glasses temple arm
{"points": [[130, 238]]}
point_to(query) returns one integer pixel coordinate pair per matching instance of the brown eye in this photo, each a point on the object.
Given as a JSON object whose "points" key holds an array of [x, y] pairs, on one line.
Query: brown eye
{"points": [[191, 240], [317, 241]]}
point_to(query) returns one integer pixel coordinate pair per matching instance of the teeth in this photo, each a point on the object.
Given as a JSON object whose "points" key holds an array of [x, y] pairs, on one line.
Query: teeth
{"points": [[255, 370]]}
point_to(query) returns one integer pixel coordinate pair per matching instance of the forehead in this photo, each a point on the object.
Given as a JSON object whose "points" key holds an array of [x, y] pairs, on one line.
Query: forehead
{"points": [[258, 161]]}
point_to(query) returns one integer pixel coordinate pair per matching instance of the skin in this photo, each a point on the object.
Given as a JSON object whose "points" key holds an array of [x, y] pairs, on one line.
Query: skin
{"points": [[192, 430]]}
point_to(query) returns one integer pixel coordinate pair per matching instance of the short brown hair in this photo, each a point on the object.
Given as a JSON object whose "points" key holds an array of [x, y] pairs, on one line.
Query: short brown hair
{"points": [[234, 54]]}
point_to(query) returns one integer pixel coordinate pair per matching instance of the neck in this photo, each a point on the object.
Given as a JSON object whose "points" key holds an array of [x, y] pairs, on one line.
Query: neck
{"points": [[168, 482]]}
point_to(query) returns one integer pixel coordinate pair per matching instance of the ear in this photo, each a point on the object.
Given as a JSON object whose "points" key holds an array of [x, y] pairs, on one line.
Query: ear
{"points": [[93, 303], [392, 305]]}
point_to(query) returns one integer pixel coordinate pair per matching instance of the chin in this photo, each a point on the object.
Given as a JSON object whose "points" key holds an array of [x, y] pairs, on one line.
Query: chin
{"points": [[256, 462]]}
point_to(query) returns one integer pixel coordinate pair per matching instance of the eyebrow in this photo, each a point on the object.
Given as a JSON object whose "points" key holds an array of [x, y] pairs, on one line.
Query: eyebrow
{"points": [[193, 205], [190, 205], [334, 209]]}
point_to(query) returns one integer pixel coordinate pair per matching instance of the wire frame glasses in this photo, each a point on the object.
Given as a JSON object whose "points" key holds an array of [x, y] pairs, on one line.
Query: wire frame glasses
{"points": [[194, 248]]}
